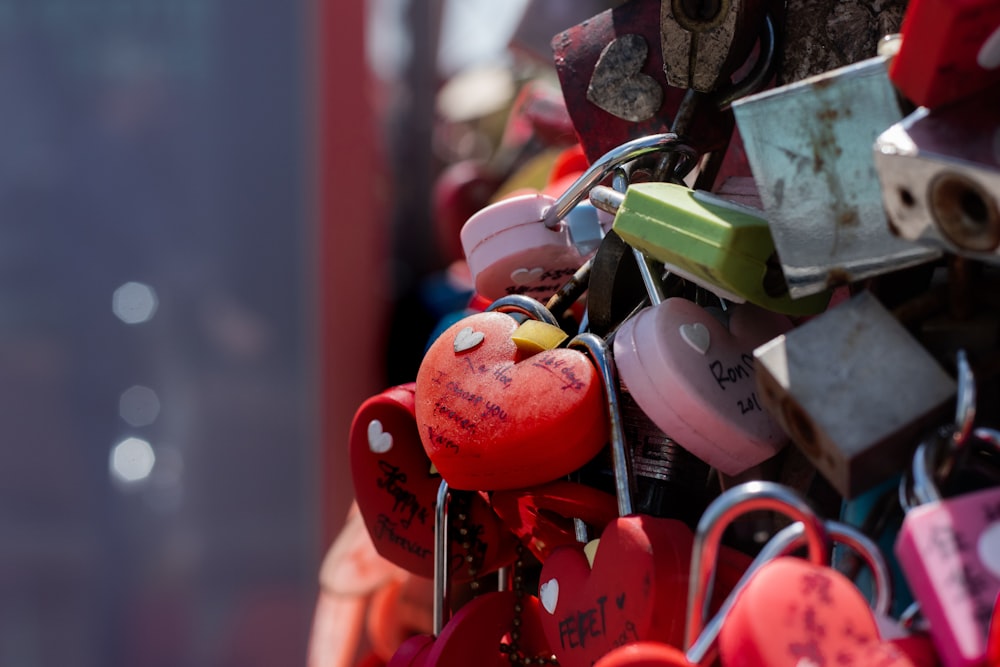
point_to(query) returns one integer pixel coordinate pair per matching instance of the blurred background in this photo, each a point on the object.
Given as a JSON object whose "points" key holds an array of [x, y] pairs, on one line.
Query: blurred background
{"points": [[214, 232]]}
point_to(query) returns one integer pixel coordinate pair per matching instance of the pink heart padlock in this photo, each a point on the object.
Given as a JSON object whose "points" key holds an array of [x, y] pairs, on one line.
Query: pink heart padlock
{"points": [[694, 378]]}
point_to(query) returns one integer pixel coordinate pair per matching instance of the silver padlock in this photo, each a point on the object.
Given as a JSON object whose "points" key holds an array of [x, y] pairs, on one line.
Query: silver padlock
{"points": [[854, 390], [809, 147], [940, 175]]}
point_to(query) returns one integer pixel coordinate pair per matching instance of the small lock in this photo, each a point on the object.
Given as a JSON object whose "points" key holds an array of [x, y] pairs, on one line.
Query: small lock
{"points": [[724, 247], [809, 145], [949, 549], [940, 176], [704, 42], [949, 50], [855, 419]]}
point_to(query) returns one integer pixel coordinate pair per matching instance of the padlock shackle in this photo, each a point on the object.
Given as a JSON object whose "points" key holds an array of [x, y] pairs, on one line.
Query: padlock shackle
{"points": [[721, 512], [441, 576], [604, 165], [525, 305], [597, 349]]}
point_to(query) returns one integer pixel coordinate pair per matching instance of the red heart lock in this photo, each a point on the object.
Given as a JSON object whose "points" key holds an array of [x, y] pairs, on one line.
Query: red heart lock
{"points": [[476, 632], [636, 590], [492, 417], [794, 613], [694, 378], [542, 517], [993, 638], [396, 494]]}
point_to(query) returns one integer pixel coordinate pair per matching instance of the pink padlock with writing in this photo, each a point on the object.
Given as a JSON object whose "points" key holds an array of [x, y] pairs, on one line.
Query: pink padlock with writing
{"points": [[694, 378]]}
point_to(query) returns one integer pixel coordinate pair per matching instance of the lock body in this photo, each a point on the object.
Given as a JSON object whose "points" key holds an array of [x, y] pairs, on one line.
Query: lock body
{"points": [[950, 553], [940, 176], [719, 245], [809, 144], [853, 389]]}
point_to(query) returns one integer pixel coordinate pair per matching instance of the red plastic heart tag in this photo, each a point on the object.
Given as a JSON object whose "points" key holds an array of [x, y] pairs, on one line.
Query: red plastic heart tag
{"points": [[396, 494], [644, 654], [636, 590], [492, 418]]}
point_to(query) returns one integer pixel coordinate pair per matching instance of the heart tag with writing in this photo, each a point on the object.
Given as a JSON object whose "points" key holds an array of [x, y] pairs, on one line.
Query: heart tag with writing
{"points": [[694, 378], [494, 417], [476, 632], [635, 591], [645, 654], [396, 493], [794, 613]]}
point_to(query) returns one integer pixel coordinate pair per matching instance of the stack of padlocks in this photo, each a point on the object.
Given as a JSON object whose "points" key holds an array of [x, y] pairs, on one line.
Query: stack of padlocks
{"points": [[660, 353]]}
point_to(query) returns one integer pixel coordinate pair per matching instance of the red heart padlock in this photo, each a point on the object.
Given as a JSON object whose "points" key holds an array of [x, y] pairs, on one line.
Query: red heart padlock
{"points": [[396, 493], [542, 516], [993, 638], [492, 417], [635, 591], [476, 632]]}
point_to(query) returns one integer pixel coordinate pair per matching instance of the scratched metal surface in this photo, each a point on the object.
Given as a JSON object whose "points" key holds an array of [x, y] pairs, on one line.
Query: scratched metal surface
{"points": [[809, 145]]}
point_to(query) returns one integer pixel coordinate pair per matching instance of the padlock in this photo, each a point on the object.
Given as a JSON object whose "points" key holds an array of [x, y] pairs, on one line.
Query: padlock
{"points": [[610, 68], [492, 416], [949, 50], [789, 610], [704, 42], [695, 379], [594, 604], [949, 549], [809, 146], [856, 420], [522, 245], [940, 176], [395, 490], [724, 247]]}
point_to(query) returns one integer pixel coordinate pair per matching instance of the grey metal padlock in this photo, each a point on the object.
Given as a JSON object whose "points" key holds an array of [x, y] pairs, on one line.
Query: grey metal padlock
{"points": [[940, 175], [809, 146], [854, 391]]}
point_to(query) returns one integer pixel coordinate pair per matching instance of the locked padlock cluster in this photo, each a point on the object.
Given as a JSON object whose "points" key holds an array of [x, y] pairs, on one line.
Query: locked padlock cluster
{"points": [[700, 410]]}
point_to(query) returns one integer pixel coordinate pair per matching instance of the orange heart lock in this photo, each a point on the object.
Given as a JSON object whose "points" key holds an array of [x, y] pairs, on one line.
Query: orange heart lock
{"points": [[493, 416]]}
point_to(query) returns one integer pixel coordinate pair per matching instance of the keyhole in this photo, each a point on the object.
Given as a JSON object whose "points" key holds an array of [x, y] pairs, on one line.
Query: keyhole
{"points": [[701, 10], [965, 213]]}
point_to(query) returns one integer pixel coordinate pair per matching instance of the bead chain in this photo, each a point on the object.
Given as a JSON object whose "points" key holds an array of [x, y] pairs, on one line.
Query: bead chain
{"points": [[514, 654]]}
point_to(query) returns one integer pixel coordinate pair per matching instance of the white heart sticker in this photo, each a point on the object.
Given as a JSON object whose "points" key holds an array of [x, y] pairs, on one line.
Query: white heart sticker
{"points": [[378, 440], [989, 52], [988, 548], [466, 339], [548, 593], [526, 276], [697, 336]]}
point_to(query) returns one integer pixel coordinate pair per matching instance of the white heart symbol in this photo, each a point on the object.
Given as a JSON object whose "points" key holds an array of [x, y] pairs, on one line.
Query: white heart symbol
{"points": [[466, 339], [378, 440], [696, 335], [526, 276], [548, 593], [989, 53]]}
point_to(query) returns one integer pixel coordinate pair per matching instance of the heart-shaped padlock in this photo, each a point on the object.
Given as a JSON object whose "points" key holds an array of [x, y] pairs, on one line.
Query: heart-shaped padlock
{"points": [[695, 379], [542, 517], [790, 611], [396, 493], [644, 654], [493, 417]]}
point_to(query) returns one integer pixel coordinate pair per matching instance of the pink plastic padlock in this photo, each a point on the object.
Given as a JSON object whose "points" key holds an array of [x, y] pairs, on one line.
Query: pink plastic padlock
{"points": [[522, 245], [694, 378], [949, 550]]}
